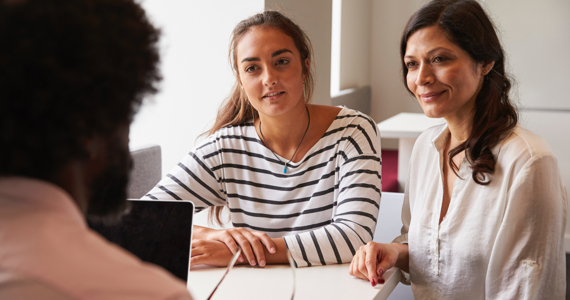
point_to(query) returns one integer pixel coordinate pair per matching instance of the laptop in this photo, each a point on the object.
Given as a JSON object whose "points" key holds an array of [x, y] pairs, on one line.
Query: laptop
{"points": [[158, 232]]}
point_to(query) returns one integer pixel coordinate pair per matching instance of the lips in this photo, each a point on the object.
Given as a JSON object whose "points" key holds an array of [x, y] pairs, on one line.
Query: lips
{"points": [[431, 96], [273, 94]]}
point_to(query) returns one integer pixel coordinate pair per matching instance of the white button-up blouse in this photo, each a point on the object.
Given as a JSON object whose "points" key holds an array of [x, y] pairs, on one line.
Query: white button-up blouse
{"points": [[504, 240]]}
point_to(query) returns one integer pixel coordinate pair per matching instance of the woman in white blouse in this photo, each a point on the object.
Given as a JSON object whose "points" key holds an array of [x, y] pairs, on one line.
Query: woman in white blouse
{"points": [[485, 208]]}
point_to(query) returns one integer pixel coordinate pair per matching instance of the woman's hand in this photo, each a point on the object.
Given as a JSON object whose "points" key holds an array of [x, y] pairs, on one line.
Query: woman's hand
{"points": [[251, 243], [213, 253], [372, 260]]}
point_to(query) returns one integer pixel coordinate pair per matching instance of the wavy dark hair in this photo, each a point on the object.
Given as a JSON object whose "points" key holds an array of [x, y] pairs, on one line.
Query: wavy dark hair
{"points": [[70, 69], [466, 24]]}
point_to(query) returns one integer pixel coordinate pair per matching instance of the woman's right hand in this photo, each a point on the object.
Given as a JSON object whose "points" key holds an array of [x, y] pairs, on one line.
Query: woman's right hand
{"points": [[251, 243], [372, 260]]}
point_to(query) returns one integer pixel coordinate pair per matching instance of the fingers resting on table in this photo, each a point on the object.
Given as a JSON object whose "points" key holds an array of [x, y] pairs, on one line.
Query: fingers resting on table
{"points": [[372, 260], [208, 252], [251, 243]]}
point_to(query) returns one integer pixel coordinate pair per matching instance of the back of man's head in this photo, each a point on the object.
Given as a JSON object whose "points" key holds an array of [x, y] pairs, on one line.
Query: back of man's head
{"points": [[70, 69]]}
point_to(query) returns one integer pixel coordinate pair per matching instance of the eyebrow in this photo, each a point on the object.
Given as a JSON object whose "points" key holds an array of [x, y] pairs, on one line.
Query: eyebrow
{"points": [[278, 52], [430, 52]]}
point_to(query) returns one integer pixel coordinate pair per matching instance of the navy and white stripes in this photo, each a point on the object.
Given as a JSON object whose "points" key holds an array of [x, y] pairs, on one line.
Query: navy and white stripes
{"points": [[326, 205]]}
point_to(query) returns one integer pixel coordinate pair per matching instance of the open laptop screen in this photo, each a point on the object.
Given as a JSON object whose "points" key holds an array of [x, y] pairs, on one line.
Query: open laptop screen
{"points": [[159, 232]]}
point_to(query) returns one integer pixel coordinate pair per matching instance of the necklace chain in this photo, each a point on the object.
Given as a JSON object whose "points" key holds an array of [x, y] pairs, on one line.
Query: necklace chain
{"points": [[285, 165]]}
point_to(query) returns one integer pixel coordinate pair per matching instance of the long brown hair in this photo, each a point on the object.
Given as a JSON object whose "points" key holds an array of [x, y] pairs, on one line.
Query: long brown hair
{"points": [[236, 109], [466, 24]]}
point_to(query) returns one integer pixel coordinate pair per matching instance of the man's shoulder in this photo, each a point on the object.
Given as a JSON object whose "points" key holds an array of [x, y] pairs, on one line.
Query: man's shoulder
{"points": [[83, 264]]}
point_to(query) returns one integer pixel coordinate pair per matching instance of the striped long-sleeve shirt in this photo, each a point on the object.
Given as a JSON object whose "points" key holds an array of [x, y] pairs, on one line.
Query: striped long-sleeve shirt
{"points": [[325, 206]]}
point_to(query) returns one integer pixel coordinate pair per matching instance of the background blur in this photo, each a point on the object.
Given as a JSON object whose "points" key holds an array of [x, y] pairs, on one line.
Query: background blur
{"points": [[356, 45]]}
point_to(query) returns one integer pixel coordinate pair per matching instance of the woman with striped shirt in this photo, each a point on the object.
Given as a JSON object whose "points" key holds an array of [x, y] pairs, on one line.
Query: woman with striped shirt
{"points": [[294, 175]]}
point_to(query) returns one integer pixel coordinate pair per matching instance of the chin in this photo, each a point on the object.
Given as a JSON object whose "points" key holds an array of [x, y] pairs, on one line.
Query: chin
{"points": [[430, 113]]}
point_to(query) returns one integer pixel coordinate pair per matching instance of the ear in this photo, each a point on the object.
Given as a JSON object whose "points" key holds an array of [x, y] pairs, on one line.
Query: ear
{"points": [[308, 65], [487, 67]]}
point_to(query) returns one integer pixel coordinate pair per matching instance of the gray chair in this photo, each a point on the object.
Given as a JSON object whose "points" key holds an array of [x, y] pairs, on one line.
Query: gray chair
{"points": [[389, 217], [387, 229], [146, 172]]}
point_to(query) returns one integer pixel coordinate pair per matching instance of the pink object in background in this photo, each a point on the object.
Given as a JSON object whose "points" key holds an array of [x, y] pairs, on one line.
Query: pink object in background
{"points": [[390, 171]]}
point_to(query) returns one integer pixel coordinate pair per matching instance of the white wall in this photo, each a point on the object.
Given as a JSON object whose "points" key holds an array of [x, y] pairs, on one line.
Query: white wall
{"points": [[389, 96], [197, 75], [536, 38], [355, 43]]}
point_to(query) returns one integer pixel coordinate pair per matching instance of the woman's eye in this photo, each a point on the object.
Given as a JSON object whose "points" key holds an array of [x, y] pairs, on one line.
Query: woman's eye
{"points": [[439, 59], [282, 61], [250, 69], [410, 64]]}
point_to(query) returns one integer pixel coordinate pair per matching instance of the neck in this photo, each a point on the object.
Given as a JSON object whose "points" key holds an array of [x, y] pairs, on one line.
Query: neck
{"points": [[459, 129], [284, 132]]}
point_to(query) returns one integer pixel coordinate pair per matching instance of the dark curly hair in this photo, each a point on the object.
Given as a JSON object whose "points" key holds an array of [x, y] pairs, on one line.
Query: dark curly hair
{"points": [[466, 24], [69, 69]]}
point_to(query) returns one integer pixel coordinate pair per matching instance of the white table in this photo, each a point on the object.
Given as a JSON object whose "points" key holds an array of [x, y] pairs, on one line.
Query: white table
{"points": [[276, 282], [406, 127]]}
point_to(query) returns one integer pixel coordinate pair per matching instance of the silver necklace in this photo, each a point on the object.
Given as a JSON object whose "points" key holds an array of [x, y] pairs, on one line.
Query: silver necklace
{"points": [[285, 165]]}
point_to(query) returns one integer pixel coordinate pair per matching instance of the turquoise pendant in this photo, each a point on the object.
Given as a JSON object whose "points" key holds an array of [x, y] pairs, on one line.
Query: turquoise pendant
{"points": [[284, 169]]}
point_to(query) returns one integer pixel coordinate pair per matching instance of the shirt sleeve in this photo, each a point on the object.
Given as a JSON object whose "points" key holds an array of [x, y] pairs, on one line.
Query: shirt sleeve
{"points": [[357, 201], [24, 289], [192, 179], [528, 258]]}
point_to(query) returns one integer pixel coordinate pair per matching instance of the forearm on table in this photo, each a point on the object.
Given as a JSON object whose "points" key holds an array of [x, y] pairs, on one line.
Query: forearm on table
{"points": [[280, 255]]}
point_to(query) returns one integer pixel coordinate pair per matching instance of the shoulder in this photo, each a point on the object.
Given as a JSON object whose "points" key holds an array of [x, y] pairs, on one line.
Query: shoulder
{"points": [[354, 132], [93, 252], [520, 146], [347, 117], [524, 154], [233, 136], [525, 141], [78, 261]]}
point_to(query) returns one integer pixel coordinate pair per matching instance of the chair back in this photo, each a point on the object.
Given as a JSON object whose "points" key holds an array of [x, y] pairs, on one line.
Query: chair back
{"points": [[146, 171], [389, 218]]}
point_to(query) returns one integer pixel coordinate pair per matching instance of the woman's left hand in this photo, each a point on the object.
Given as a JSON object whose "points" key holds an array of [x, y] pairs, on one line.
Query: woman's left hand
{"points": [[372, 260], [209, 252]]}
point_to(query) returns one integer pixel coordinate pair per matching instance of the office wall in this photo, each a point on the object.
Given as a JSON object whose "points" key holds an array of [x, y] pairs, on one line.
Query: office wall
{"points": [[197, 76], [355, 43], [389, 96], [536, 37]]}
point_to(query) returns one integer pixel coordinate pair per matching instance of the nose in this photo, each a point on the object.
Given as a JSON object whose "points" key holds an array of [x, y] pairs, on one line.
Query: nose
{"points": [[425, 75], [270, 77]]}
